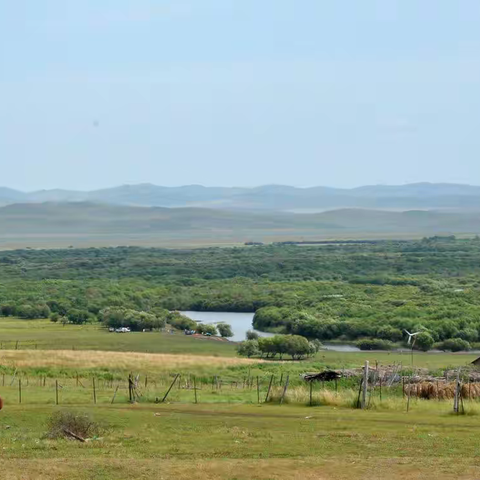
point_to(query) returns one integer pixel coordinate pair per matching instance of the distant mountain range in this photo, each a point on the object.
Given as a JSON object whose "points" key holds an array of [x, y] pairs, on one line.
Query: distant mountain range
{"points": [[266, 198]]}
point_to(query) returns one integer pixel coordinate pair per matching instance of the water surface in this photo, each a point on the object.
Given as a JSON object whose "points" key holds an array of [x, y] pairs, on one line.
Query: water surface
{"points": [[240, 322]]}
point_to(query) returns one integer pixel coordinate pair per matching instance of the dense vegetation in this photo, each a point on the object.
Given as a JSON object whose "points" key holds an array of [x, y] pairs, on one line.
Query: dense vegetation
{"points": [[336, 291]]}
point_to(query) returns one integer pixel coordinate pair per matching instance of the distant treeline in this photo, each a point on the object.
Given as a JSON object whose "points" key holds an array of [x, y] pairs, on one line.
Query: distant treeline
{"points": [[340, 291]]}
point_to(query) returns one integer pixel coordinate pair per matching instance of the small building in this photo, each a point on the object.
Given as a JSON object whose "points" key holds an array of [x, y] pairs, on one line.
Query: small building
{"points": [[476, 362]]}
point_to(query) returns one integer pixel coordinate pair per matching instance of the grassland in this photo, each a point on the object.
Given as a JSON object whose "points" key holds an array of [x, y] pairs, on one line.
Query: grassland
{"points": [[244, 442], [227, 435], [45, 336]]}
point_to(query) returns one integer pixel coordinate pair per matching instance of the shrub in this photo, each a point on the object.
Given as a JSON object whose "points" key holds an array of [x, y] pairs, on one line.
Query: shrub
{"points": [[251, 335], [374, 344], [64, 423], [249, 348], [205, 328], [424, 341], [225, 330], [453, 345], [181, 322]]}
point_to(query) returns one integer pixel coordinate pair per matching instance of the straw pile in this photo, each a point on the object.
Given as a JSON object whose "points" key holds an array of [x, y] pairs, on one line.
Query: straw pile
{"points": [[442, 391]]}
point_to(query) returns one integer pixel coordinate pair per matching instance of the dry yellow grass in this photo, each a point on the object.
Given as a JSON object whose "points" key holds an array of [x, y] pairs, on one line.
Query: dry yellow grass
{"points": [[114, 360]]}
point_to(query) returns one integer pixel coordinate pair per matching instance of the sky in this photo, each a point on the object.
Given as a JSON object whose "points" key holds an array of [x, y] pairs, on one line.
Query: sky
{"points": [[99, 93]]}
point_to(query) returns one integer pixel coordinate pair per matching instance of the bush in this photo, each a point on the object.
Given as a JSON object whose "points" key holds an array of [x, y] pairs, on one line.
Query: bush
{"points": [[294, 345], [374, 344], [249, 348], [424, 341], [65, 423], [251, 335], [225, 330], [136, 321], [205, 328], [453, 345], [181, 322]]}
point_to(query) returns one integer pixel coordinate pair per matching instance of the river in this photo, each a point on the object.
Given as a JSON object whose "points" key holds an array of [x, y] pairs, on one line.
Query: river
{"points": [[241, 322]]}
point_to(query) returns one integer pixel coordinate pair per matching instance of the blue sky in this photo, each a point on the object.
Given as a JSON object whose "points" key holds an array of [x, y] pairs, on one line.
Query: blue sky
{"points": [[97, 93]]}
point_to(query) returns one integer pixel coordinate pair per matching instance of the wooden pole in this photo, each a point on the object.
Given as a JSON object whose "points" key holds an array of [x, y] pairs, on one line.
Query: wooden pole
{"points": [[13, 378], [94, 391], [171, 386], [114, 395], [380, 387], [409, 392], [269, 388], [195, 388], [130, 389], [365, 384], [311, 390], [56, 392], [359, 392], [285, 389], [258, 390], [457, 391], [146, 381], [19, 390]]}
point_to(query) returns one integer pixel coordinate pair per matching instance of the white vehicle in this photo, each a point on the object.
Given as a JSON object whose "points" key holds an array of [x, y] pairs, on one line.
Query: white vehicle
{"points": [[123, 330]]}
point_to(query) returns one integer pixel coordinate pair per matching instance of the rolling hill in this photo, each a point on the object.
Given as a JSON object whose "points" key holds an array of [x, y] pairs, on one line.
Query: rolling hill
{"points": [[267, 197], [85, 219]]}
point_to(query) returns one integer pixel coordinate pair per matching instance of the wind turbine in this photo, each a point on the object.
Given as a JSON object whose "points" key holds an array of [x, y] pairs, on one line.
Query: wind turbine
{"points": [[410, 336]]}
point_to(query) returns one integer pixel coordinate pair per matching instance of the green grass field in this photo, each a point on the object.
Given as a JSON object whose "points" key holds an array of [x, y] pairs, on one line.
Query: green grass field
{"points": [[45, 335], [227, 434], [243, 442]]}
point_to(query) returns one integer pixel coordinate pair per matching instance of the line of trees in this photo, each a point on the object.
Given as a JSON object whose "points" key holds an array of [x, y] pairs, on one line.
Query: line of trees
{"points": [[370, 333], [295, 346]]}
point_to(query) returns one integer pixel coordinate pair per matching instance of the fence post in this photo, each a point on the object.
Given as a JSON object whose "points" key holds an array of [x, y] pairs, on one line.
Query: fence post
{"points": [[171, 386], [365, 384], [409, 392], [285, 389], [195, 388], [56, 392], [311, 389], [457, 391], [94, 391], [258, 391], [19, 390], [115, 394], [269, 388]]}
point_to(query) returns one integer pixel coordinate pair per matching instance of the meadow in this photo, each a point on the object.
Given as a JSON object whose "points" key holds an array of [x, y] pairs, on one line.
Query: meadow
{"points": [[226, 416], [243, 442]]}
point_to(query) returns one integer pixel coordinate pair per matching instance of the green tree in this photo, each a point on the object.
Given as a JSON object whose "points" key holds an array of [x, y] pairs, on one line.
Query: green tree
{"points": [[206, 329], [251, 335], [225, 330], [424, 341], [248, 348]]}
